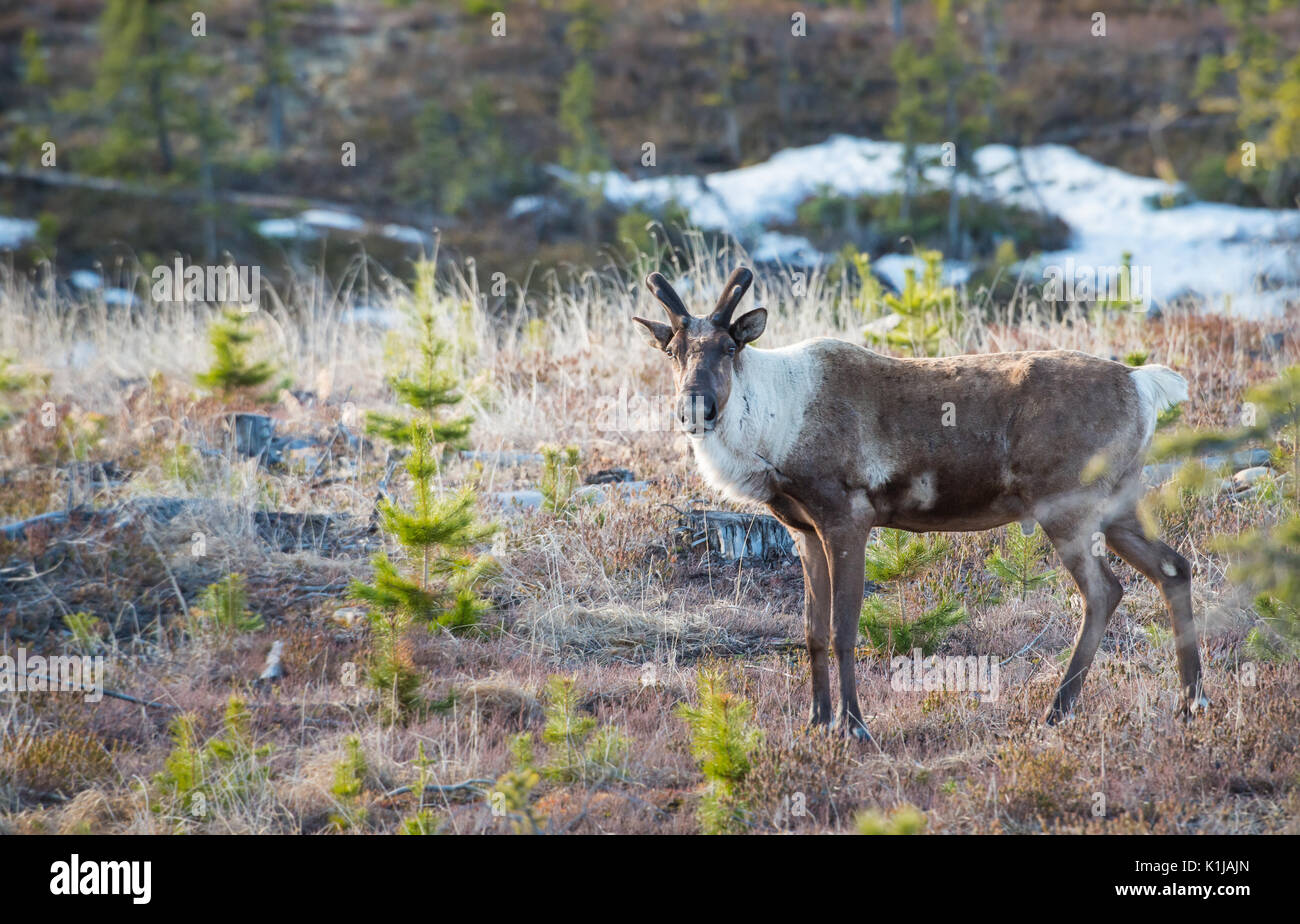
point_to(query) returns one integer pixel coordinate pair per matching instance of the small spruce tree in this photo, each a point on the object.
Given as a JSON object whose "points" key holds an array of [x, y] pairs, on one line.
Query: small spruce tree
{"points": [[232, 372], [435, 582], [579, 749], [927, 309], [1017, 562], [897, 557], [559, 480], [223, 610], [723, 740], [426, 391], [349, 785]]}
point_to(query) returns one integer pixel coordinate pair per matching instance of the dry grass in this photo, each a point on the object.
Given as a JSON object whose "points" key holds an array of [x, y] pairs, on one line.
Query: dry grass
{"points": [[603, 594]]}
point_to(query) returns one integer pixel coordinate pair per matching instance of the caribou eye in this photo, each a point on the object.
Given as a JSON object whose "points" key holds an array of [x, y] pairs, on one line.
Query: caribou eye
{"points": [[731, 349]]}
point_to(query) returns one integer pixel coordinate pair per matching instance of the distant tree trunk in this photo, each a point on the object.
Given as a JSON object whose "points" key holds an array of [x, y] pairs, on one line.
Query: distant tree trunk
{"points": [[158, 105], [272, 50], [989, 41], [785, 85], [730, 117], [731, 133], [909, 143], [208, 203], [909, 176], [954, 203]]}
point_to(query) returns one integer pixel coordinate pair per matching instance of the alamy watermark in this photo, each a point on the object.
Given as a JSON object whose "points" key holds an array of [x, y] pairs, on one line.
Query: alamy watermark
{"points": [[23, 673], [949, 674], [213, 283], [76, 876], [640, 413], [1126, 284]]}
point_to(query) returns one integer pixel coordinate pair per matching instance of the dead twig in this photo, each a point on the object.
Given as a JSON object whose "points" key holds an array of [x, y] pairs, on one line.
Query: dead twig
{"points": [[125, 697]]}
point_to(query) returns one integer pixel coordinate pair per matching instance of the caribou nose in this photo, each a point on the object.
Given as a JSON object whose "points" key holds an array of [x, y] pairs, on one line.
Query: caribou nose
{"points": [[696, 412]]}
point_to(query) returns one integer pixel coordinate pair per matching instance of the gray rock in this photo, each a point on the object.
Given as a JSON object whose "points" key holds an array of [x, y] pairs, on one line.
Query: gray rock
{"points": [[1248, 476], [503, 458], [255, 436], [273, 670], [525, 500]]}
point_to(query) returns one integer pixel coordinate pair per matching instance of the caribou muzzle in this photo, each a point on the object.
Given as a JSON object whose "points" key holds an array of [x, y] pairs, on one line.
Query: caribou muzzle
{"points": [[697, 413]]}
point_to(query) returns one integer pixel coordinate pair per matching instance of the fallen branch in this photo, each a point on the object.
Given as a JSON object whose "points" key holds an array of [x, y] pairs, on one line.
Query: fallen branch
{"points": [[442, 790], [125, 697]]}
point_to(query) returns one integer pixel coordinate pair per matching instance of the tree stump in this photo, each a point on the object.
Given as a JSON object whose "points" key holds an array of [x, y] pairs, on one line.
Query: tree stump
{"points": [[738, 537]]}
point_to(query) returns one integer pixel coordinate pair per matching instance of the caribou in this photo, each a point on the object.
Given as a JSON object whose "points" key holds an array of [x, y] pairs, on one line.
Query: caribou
{"points": [[836, 439]]}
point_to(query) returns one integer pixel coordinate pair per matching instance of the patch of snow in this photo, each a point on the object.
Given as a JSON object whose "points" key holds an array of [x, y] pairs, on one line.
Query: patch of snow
{"points": [[116, 296], [14, 232], [1248, 258], [405, 234], [386, 318], [279, 229], [335, 221], [787, 249], [527, 205], [892, 267], [86, 280]]}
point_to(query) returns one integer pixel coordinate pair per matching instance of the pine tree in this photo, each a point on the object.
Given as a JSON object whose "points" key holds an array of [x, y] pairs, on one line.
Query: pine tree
{"points": [[231, 372], [223, 610], [912, 117], [723, 740], [1017, 562], [1260, 83], [277, 75], [461, 155], [583, 153], [559, 479], [435, 583], [926, 309], [896, 557], [438, 586], [426, 391], [151, 82]]}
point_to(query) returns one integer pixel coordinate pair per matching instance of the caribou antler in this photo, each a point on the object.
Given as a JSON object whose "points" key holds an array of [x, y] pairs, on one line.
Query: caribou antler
{"points": [[671, 301], [734, 291]]}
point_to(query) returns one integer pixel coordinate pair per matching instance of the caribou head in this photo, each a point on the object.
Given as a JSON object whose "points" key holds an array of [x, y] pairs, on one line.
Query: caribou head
{"points": [[703, 349]]}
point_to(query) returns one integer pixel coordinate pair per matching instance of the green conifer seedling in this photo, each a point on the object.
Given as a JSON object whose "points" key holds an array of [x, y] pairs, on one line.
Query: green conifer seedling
{"points": [[232, 372], [723, 740], [1017, 563], [898, 556]]}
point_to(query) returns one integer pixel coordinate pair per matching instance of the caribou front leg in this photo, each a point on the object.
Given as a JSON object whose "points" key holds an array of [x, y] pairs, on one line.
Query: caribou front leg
{"points": [[845, 548], [816, 600], [817, 622]]}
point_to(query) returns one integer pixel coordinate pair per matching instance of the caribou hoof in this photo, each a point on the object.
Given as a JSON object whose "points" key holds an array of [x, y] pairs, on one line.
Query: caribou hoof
{"points": [[1193, 707], [852, 728], [1057, 715]]}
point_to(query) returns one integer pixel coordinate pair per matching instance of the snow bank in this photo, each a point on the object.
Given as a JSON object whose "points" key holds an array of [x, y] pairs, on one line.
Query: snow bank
{"points": [[1243, 259], [14, 232]]}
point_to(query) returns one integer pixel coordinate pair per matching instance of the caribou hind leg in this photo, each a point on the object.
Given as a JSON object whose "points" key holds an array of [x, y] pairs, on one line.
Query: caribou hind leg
{"points": [[1075, 544], [1172, 575]]}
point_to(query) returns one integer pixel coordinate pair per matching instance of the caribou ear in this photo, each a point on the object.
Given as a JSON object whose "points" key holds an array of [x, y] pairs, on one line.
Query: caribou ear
{"points": [[749, 326], [655, 333]]}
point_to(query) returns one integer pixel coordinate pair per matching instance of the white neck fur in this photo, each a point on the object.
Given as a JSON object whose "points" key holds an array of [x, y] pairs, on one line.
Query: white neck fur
{"points": [[759, 427]]}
